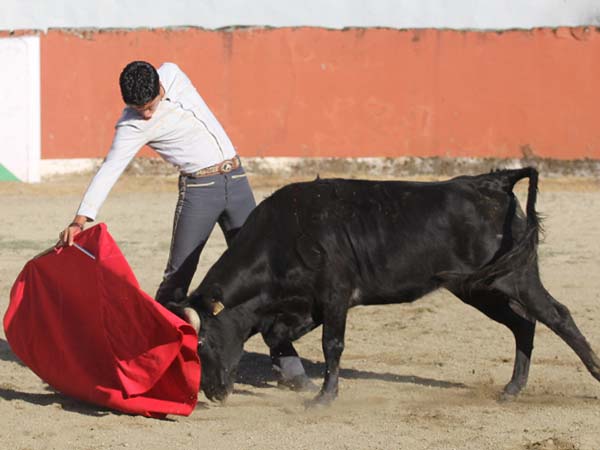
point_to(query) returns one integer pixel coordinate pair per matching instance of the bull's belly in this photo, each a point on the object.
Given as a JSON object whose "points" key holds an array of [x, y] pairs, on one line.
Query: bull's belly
{"points": [[402, 293]]}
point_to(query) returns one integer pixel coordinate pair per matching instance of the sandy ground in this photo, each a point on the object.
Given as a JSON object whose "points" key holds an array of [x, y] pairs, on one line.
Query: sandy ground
{"points": [[415, 376]]}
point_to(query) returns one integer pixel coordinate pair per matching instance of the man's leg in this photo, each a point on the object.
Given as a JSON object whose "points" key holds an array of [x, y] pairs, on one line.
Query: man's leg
{"points": [[240, 203], [201, 201]]}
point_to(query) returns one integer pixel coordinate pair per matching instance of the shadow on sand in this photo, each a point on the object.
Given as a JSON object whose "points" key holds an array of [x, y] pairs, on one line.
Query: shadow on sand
{"points": [[10, 393], [6, 353], [255, 370]]}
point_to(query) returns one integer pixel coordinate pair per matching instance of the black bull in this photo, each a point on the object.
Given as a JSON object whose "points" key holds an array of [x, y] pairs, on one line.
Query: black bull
{"points": [[313, 250]]}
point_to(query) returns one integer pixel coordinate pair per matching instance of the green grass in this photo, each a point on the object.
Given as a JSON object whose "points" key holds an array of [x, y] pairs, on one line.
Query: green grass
{"points": [[7, 175]]}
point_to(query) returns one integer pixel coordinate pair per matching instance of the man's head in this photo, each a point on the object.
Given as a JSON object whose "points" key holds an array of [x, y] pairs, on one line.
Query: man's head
{"points": [[140, 87]]}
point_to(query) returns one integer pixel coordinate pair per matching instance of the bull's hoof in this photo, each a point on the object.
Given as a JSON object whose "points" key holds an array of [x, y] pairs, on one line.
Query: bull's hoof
{"points": [[299, 383], [505, 397], [511, 391], [321, 400]]}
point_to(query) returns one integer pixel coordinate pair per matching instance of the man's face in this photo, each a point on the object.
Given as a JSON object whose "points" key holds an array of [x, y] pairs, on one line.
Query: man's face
{"points": [[147, 110]]}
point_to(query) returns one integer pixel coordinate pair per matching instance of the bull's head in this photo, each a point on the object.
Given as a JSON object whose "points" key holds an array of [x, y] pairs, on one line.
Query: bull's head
{"points": [[220, 347]]}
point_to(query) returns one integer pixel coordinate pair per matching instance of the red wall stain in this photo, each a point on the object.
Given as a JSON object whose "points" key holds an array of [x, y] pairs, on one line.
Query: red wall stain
{"points": [[313, 92]]}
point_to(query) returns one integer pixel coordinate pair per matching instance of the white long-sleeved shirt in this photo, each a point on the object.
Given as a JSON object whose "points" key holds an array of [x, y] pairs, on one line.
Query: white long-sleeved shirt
{"points": [[182, 130]]}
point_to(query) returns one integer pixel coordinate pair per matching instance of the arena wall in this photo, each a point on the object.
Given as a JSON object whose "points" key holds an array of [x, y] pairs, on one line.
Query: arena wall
{"points": [[395, 79], [311, 92]]}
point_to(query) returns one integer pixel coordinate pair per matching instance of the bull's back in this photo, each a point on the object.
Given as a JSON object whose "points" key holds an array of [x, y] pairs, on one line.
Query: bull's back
{"points": [[392, 239], [393, 234]]}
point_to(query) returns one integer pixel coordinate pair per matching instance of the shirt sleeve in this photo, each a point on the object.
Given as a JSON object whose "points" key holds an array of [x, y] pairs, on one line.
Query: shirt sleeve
{"points": [[126, 143]]}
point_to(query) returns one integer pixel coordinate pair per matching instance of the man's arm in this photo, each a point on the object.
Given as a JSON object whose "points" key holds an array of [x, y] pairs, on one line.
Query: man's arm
{"points": [[126, 144]]}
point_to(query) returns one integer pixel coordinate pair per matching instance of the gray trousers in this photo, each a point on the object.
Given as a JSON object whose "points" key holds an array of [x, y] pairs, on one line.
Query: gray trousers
{"points": [[203, 202]]}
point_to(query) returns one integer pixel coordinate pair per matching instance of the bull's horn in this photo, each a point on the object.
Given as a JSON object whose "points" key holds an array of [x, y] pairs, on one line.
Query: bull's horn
{"points": [[192, 317], [217, 307]]}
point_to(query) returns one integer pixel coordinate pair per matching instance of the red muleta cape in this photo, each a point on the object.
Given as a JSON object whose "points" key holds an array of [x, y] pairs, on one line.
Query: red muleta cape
{"points": [[85, 327]]}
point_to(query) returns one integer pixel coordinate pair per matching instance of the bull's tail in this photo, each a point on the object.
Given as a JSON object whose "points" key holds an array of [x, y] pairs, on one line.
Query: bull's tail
{"points": [[509, 178], [532, 217], [522, 251]]}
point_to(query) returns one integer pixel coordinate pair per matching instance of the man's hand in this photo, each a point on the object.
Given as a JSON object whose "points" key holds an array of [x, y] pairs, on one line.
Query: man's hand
{"points": [[66, 236]]}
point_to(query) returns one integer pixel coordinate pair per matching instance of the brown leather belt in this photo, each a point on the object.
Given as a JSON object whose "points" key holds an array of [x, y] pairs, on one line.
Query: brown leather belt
{"points": [[223, 167]]}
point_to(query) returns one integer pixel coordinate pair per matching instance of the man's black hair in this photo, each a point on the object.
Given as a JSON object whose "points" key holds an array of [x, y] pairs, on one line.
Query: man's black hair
{"points": [[139, 83]]}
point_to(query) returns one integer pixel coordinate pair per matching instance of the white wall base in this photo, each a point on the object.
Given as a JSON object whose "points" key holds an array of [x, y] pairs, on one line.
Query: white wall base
{"points": [[346, 167]]}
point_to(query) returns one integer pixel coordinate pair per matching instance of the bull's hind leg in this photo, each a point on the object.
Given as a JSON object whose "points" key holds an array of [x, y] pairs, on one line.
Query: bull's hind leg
{"points": [[540, 304], [495, 305]]}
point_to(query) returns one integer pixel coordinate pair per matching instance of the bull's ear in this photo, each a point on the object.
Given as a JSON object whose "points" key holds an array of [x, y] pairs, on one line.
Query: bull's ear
{"points": [[216, 307], [192, 317], [179, 295]]}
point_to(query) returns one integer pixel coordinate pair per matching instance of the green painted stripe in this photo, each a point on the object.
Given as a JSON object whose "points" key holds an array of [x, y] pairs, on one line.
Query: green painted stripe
{"points": [[7, 175]]}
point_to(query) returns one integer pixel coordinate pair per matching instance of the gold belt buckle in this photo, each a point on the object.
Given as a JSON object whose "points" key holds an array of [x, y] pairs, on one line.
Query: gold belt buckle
{"points": [[226, 166]]}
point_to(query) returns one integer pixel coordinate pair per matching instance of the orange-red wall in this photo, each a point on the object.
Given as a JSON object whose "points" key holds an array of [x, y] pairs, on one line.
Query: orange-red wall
{"points": [[357, 92]]}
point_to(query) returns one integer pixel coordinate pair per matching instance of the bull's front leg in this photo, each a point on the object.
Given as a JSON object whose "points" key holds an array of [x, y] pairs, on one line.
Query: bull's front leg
{"points": [[334, 327]]}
